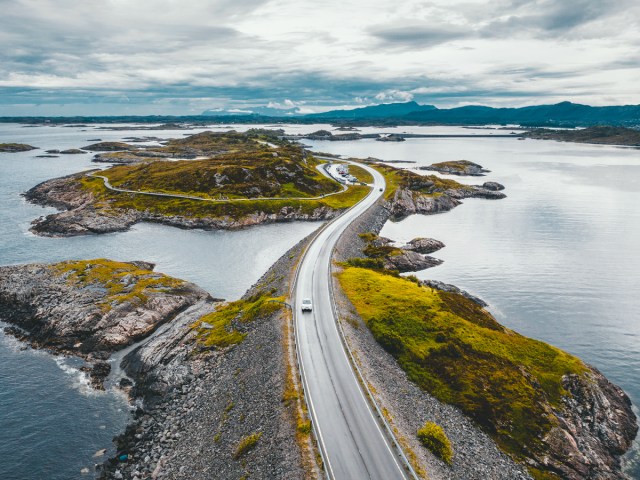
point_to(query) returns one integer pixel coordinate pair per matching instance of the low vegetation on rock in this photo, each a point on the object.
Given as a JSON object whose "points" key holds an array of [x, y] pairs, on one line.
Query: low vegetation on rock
{"points": [[457, 167], [432, 436], [224, 327], [517, 389], [250, 179], [247, 443]]}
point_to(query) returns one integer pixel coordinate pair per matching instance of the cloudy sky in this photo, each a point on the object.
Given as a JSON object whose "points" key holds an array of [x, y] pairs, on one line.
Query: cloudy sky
{"points": [[107, 57]]}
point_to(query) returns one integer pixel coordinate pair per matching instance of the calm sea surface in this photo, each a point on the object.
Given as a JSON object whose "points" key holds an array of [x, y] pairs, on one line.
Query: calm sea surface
{"points": [[558, 260]]}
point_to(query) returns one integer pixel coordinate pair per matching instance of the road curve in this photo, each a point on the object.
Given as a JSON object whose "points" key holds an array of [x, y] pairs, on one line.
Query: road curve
{"points": [[353, 444]]}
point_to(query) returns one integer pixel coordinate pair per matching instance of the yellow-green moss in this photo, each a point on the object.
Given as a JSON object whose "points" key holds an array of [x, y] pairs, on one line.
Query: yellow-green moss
{"points": [[246, 443], [123, 282], [217, 329], [432, 436], [457, 352]]}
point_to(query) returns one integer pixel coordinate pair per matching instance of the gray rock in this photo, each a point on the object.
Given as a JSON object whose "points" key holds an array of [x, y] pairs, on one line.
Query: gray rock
{"points": [[410, 261], [493, 186], [424, 245], [452, 288]]}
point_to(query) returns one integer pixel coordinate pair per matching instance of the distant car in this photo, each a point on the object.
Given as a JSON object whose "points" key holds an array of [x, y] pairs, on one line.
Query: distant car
{"points": [[307, 306], [380, 188]]}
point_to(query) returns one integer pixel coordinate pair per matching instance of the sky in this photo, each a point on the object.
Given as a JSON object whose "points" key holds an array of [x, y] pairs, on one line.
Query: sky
{"points": [[181, 57]]}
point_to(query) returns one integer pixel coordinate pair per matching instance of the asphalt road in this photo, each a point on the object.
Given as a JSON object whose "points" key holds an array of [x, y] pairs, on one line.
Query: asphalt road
{"points": [[353, 444]]}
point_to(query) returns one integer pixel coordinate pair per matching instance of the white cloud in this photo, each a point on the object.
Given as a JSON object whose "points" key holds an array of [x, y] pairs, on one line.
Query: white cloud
{"points": [[231, 54], [394, 96]]}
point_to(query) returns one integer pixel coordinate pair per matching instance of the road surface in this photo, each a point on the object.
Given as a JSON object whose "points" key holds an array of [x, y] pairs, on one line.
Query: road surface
{"points": [[351, 439]]}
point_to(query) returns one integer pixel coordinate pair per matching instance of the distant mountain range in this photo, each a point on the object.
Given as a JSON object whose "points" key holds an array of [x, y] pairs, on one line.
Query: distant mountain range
{"points": [[565, 114], [560, 114]]}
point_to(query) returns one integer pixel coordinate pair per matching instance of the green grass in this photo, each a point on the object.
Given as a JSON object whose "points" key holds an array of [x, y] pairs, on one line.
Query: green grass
{"points": [[222, 329], [107, 199], [456, 351], [433, 438], [123, 282], [246, 443], [361, 174]]}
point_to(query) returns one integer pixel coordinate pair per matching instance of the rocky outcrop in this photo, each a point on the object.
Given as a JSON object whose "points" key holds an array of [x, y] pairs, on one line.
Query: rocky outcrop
{"points": [[410, 261], [15, 147], [71, 308], [81, 216], [129, 157], [446, 287], [407, 202], [392, 137], [424, 245], [495, 186], [457, 167], [70, 151], [401, 259], [108, 147]]}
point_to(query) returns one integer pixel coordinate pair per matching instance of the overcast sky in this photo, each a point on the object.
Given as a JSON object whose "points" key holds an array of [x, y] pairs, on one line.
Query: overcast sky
{"points": [[65, 57]]}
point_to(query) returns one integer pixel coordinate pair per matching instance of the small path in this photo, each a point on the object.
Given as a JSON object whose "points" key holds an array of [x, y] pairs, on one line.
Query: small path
{"points": [[108, 185]]}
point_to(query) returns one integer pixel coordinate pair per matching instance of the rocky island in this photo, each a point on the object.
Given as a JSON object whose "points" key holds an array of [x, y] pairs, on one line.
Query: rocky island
{"points": [[600, 135], [457, 167], [92, 308], [15, 147]]}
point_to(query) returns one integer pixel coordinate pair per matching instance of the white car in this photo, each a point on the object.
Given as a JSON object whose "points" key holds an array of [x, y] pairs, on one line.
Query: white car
{"points": [[307, 306]]}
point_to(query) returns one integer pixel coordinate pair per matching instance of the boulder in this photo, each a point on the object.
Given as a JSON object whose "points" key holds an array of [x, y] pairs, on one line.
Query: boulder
{"points": [[424, 245]]}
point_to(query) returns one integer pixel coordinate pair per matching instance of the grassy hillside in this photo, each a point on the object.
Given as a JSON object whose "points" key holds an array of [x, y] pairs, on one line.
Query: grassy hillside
{"points": [[456, 351], [244, 173], [241, 166]]}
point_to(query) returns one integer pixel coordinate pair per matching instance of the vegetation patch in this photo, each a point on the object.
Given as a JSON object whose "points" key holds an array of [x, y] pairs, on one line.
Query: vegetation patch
{"points": [[223, 327], [122, 282], [432, 436], [361, 174], [246, 443], [455, 350]]}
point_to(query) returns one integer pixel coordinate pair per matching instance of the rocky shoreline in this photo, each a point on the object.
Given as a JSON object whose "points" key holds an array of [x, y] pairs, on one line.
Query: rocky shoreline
{"points": [[81, 216], [194, 404], [69, 308], [200, 404], [596, 422]]}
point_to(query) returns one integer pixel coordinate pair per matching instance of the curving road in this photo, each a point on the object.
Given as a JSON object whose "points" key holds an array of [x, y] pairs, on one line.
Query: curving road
{"points": [[352, 442]]}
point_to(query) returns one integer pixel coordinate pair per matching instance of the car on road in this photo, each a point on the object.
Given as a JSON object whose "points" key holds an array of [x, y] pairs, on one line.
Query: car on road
{"points": [[380, 188], [307, 306]]}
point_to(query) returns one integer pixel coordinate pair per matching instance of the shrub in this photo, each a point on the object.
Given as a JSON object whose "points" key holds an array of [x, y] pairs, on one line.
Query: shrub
{"points": [[433, 437]]}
